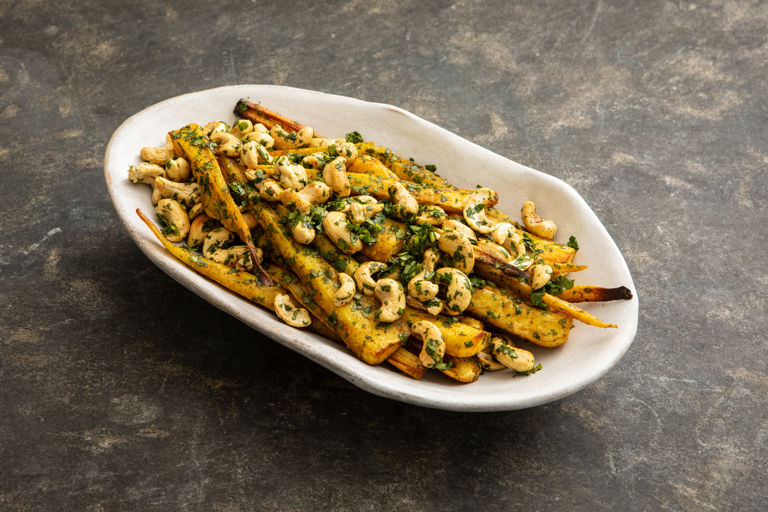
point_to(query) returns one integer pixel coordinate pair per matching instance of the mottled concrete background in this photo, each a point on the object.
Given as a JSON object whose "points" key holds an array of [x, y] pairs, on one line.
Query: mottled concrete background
{"points": [[119, 390]]}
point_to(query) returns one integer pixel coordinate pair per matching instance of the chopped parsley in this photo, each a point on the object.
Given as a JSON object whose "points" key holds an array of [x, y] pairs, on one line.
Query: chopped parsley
{"points": [[531, 371], [477, 282], [367, 231], [418, 239], [168, 227], [536, 299], [354, 137], [557, 285]]}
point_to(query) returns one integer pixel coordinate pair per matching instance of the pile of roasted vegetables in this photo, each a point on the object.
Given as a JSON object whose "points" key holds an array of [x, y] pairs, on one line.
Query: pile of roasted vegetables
{"points": [[348, 239]]}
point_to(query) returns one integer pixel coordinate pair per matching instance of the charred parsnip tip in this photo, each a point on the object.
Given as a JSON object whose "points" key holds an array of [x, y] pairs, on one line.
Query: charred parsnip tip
{"points": [[373, 249]]}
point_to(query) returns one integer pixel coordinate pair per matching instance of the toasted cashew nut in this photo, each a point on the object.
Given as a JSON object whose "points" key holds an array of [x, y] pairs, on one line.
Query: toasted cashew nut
{"points": [[432, 215], [475, 214], [535, 224], [263, 139], [218, 238], [291, 175], [335, 224], [392, 297], [285, 140], [405, 202], [289, 312], [269, 190], [177, 169], [456, 225], [187, 193], [367, 200], [319, 142], [176, 218], [304, 135], [237, 257], [157, 155], [506, 235], [421, 289], [523, 262], [345, 149], [356, 213], [346, 291], [216, 128], [303, 234], [156, 195], [360, 208], [251, 153], [512, 357], [335, 175], [364, 275], [316, 192], [432, 306], [459, 293], [540, 275], [315, 160], [260, 128], [145, 173], [459, 249], [493, 249], [199, 228], [241, 128], [487, 362], [431, 257], [433, 348], [227, 144]]}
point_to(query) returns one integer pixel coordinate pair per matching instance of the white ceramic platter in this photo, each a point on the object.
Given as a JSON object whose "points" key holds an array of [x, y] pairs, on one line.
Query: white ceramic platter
{"points": [[590, 351]]}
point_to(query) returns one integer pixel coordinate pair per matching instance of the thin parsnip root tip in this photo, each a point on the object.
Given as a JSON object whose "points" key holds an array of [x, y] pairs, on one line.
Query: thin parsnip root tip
{"points": [[243, 283], [264, 278]]}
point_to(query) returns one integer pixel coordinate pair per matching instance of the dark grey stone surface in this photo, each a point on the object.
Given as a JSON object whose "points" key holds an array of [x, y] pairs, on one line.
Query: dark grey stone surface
{"points": [[119, 390]]}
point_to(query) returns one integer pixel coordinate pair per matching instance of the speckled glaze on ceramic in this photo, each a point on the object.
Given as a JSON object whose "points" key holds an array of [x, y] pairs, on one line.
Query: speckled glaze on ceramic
{"points": [[589, 353]]}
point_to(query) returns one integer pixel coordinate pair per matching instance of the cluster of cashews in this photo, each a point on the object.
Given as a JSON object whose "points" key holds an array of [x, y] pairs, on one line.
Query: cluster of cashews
{"points": [[179, 202], [506, 240], [290, 186], [388, 291], [422, 292], [176, 202]]}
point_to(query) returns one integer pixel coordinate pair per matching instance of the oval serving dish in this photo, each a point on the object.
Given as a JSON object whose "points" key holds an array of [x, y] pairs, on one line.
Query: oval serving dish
{"points": [[589, 353]]}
